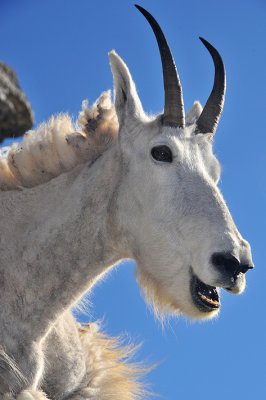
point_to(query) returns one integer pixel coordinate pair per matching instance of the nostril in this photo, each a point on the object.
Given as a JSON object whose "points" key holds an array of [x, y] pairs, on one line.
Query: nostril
{"points": [[226, 263], [245, 267]]}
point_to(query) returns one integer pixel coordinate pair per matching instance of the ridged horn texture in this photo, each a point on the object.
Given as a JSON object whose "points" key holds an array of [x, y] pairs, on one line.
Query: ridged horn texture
{"points": [[173, 115], [210, 116]]}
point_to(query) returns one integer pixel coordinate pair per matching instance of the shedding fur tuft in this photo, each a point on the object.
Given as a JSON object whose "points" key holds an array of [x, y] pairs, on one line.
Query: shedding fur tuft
{"points": [[59, 145], [111, 374]]}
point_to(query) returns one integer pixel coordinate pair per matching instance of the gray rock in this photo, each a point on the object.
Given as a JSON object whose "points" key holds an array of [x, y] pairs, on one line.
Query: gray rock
{"points": [[16, 116]]}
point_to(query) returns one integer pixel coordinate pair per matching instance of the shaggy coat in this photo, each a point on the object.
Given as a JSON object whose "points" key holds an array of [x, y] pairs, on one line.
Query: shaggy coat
{"points": [[77, 199]]}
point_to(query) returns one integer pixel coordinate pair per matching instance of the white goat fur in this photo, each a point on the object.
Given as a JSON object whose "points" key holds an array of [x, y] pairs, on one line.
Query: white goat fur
{"points": [[108, 200], [59, 145]]}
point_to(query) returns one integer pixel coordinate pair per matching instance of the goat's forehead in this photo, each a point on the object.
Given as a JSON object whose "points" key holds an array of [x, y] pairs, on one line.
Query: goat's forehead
{"points": [[178, 137], [183, 142]]}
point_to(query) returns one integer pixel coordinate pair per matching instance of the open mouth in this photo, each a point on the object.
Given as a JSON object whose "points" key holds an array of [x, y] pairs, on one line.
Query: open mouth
{"points": [[205, 297]]}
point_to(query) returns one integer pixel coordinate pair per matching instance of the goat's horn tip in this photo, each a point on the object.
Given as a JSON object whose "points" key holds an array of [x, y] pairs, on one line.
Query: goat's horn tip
{"points": [[204, 41]]}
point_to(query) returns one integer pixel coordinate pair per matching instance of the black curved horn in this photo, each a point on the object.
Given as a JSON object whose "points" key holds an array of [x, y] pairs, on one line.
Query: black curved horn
{"points": [[173, 100], [211, 113]]}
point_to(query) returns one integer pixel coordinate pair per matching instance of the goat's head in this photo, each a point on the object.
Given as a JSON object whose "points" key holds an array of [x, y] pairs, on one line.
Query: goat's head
{"points": [[182, 235]]}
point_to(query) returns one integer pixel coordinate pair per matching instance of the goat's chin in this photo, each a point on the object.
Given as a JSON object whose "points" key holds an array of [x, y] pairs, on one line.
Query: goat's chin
{"points": [[163, 303]]}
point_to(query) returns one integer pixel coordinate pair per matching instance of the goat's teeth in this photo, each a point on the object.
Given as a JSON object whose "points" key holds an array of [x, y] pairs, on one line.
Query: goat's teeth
{"points": [[208, 299]]}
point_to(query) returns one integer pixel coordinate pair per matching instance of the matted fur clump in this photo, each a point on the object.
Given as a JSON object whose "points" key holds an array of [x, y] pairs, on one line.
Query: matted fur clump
{"points": [[111, 375], [59, 145]]}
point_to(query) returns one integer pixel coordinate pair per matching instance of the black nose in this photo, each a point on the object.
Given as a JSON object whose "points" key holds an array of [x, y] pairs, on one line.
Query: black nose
{"points": [[226, 263]]}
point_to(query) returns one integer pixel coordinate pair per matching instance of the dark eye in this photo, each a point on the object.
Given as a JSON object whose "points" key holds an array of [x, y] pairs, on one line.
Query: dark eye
{"points": [[162, 153]]}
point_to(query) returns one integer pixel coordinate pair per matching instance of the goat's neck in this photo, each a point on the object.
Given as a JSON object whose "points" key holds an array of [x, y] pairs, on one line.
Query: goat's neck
{"points": [[72, 245]]}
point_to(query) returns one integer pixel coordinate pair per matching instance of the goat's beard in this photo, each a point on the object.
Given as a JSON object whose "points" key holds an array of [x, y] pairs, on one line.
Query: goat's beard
{"points": [[161, 303]]}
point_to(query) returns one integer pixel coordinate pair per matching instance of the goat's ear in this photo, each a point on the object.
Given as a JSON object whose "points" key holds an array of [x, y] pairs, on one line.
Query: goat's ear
{"points": [[127, 102], [194, 113]]}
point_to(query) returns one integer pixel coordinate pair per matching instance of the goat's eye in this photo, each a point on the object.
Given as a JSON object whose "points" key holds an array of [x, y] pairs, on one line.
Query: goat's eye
{"points": [[162, 153]]}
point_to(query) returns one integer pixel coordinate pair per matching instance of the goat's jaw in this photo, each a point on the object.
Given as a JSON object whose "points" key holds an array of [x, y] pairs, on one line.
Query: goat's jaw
{"points": [[170, 301]]}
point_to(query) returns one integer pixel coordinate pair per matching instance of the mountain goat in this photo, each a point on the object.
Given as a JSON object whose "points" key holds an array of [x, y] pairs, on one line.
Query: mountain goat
{"points": [[78, 198]]}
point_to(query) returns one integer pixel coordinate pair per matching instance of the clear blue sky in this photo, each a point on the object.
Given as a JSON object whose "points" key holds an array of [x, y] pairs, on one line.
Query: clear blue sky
{"points": [[59, 50]]}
